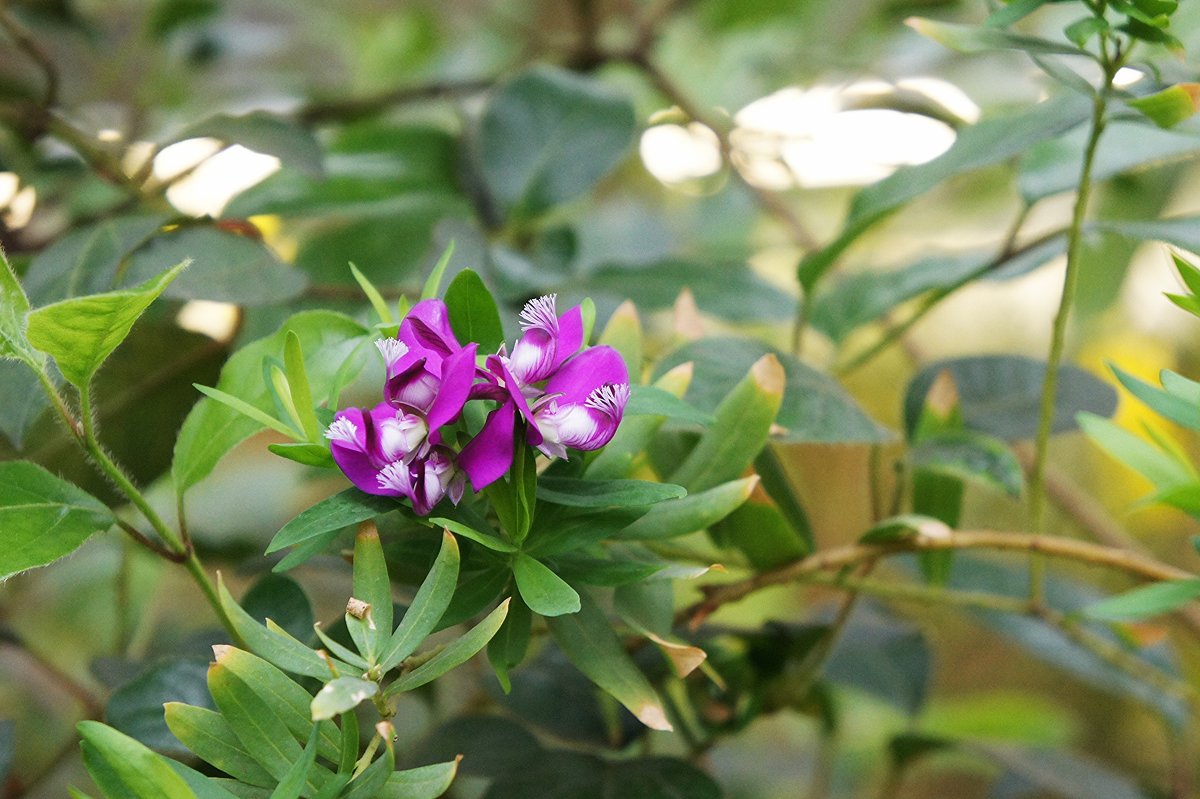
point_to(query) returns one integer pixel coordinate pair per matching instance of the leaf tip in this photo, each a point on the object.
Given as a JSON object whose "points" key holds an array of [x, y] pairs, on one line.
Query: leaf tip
{"points": [[652, 716], [767, 372]]}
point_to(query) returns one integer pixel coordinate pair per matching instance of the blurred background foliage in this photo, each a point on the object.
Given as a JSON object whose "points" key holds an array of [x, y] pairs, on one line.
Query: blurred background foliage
{"points": [[687, 156]]}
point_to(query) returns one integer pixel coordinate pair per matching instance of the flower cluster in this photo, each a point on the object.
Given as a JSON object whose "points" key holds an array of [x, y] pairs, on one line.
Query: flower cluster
{"points": [[548, 392]]}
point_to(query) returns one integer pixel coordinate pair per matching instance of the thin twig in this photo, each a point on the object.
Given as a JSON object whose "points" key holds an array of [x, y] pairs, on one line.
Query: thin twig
{"points": [[27, 44]]}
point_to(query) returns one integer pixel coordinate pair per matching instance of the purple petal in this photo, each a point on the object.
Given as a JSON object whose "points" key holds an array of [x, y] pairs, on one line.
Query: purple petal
{"points": [[415, 386], [570, 337], [533, 358], [427, 328], [398, 436], [487, 456], [458, 372], [513, 386], [586, 372], [349, 436]]}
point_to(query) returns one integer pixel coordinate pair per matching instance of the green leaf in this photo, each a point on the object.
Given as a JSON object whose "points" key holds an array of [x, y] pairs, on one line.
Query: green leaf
{"points": [[23, 400], [488, 540], [589, 641], [427, 607], [351, 506], [424, 782], [548, 135], [563, 773], [297, 378], [576, 493], [970, 39], [43, 518], [372, 779], [1181, 410], [1188, 273], [225, 267], [1169, 107], [1001, 394], [970, 456], [1084, 29], [376, 299], [264, 133], [81, 333], [1013, 11], [341, 695], [304, 453], [761, 533], [14, 306], [688, 514], [125, 769], [248, 410], [329, 342], [371, 585], [815, 409], [204, 787], [208, 735], [433, 283], [473, 312], [544, 592], [293, 782], [455, 653], [1161, 468], [743, 420], [1146, 601], [651, 401], [281, 649]]}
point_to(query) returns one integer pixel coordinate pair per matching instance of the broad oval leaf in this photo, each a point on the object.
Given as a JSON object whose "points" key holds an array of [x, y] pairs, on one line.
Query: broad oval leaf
{"points": [[262, 132], [43, 518], [473, 312], [423, 782], [1001, 394], [14, 306], [136, 708], [338, 696], [548, 135]]}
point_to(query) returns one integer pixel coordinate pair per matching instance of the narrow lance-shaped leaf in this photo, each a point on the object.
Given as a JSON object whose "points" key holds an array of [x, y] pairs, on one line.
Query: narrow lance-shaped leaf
{"points": [[1147, 601], [605, 493], [618, 457], [208, 735], [341, 510], [433, 284], [427, 606], [301, 393], [373, 296], [688, 514], [372, 631], [589, 641], [743, 421], [43, 517], [81, 333], [454, 654], [488, 540], [292, 784], [255, 722], [624, 334], [124, 768]]}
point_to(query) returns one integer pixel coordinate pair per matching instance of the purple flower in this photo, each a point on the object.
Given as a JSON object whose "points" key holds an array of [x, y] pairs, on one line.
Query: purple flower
{"points": [[584, 403], [580, 407], [383, 452], [548, 339]]}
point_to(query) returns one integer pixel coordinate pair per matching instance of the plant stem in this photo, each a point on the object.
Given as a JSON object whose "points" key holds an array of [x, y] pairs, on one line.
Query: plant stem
{"points": [[832, 559], [924, 594], [114, 473], [1037, 479]]}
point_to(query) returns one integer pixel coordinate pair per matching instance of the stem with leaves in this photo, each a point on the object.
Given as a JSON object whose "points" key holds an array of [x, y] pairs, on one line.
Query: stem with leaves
{"points": [[1109, 63]]}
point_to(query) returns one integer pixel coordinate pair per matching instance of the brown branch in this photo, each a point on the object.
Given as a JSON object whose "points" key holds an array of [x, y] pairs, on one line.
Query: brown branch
{"points": [[1053, 546], [352, 108], [152, 545]]}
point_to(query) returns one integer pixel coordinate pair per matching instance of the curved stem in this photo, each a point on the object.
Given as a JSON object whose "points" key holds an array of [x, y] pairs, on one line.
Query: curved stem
{"points": [[1037, 479]]}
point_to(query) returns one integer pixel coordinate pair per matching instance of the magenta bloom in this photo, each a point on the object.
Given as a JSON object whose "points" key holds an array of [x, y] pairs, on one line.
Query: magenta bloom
{"points": [[584, 403], [384, 451], [580, 406], [548, 339]]}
